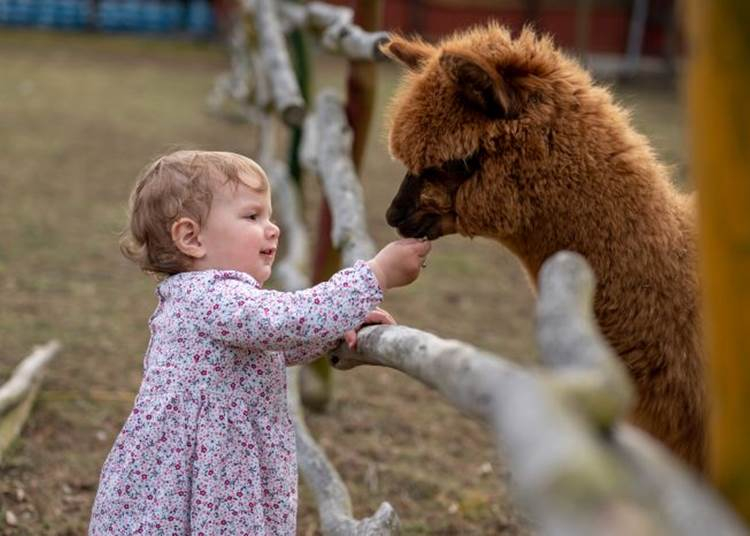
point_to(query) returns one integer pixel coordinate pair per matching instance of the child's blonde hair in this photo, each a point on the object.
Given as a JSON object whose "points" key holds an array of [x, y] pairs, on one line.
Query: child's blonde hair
{"points": [[177, 185]]}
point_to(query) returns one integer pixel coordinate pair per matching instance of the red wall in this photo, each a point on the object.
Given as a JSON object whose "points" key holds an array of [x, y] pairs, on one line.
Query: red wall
{"points": [[608, 25]]}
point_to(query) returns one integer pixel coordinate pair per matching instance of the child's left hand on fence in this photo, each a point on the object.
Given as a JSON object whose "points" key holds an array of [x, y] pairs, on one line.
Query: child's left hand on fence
{"points": [[376, 316]]}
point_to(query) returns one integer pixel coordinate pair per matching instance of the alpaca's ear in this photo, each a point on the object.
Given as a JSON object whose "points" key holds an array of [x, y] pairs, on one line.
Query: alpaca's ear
{"points": [[413, 54], [481, 86]]}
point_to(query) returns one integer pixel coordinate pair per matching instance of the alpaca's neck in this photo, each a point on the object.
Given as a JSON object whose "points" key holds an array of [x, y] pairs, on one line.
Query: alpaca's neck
{"points": [[614, 214]]}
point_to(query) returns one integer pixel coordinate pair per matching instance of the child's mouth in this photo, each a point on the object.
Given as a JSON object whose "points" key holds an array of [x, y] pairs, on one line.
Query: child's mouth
{"points": [[268, 253]]}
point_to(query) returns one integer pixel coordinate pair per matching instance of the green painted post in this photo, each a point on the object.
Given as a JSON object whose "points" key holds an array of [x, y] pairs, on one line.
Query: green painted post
{"points": [[301, 63]]}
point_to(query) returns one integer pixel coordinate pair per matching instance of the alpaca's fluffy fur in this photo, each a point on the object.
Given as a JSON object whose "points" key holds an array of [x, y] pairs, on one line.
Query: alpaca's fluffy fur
{"points": [[555, 164]]}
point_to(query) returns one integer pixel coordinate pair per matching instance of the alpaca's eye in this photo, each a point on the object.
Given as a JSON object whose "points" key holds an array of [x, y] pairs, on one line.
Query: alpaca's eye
{"points": [[457, 167], [461, 168]]}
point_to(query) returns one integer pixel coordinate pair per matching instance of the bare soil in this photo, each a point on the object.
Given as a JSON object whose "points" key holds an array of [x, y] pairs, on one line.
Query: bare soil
{"points": [[80, 115]]}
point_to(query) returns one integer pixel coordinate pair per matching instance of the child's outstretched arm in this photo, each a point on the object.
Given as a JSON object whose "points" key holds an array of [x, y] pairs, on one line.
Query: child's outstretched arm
{"points": [[310, 320], [397, 264]]}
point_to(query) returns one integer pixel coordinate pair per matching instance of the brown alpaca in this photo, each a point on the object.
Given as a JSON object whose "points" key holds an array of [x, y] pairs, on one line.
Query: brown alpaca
{"points": [[510, 139]]}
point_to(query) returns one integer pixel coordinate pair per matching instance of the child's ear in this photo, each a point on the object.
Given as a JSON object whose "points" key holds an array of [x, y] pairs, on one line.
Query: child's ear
{"points": [[481, 86], [186, 236]]}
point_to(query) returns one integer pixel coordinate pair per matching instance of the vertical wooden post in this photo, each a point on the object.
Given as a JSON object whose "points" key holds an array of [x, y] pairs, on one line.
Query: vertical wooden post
{"points": [[326, 260], [719, 106], [361, 82], [360, 98]]}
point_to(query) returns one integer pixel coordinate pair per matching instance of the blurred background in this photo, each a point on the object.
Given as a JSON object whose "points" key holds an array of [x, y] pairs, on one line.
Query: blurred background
{"points": [[634, 28], [90, 90]]}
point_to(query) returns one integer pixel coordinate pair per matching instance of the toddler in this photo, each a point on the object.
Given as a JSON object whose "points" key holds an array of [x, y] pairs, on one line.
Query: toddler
{"points": [[209, 447]]}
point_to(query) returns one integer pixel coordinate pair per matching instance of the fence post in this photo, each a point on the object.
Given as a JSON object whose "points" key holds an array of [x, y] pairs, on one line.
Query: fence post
{"points": [[361, 81], [326, 260], [719, 85], [360, 97]]}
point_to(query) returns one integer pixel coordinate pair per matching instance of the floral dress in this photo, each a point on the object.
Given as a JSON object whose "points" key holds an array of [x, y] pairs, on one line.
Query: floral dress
{"points": [[209, 447]]}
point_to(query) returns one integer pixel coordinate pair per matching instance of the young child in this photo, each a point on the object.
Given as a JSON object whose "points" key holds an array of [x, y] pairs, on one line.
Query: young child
{"points": [[209, 447]]}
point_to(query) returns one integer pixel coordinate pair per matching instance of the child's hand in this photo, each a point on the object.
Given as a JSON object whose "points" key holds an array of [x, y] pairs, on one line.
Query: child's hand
{"points": [[399, 262], [376, 316]]}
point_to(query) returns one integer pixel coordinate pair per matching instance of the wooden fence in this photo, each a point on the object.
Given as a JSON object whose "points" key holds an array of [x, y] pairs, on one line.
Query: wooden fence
{"points": [[578, 468]]}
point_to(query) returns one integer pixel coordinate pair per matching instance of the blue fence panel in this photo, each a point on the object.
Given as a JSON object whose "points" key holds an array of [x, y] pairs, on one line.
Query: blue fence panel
{"points": [[20, 12], [155, 16], [200, 17]]}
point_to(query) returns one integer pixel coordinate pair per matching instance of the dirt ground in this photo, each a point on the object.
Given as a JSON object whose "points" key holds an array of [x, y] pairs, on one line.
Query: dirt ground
{"points": [[80, 115]]}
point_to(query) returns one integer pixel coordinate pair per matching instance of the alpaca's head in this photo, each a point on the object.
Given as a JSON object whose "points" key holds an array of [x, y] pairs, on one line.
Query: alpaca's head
{"points": [[473, 122]]}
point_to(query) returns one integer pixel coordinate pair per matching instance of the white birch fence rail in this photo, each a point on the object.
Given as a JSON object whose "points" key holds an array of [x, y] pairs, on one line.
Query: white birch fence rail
{"points": [[577, 467], [18, 393]]}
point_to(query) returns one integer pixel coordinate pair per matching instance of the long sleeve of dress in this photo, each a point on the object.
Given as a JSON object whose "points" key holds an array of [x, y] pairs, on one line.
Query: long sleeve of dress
{"points": [[306, 353], [305, 323]]}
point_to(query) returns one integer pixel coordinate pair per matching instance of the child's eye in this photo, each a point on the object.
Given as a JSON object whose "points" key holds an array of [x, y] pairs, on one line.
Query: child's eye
{"points": [[251, 217]]}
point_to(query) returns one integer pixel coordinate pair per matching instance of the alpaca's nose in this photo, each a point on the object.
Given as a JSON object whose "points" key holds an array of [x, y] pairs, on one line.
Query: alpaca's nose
{"points": [[394, 216], [405, 199]]}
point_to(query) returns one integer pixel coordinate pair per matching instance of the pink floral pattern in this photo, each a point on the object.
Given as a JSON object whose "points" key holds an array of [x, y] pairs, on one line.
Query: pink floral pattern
{"points": [[209, 447]]}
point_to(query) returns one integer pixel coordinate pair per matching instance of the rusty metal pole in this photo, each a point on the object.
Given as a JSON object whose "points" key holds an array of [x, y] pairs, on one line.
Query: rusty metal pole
{"points": [[719, 108]]}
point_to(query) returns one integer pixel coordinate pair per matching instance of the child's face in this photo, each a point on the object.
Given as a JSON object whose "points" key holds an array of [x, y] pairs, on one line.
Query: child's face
{"points": [[238, 233]]}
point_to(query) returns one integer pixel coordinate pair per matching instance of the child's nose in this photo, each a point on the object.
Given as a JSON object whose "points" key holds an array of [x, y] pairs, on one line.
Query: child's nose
{"points": [[273, 230]]}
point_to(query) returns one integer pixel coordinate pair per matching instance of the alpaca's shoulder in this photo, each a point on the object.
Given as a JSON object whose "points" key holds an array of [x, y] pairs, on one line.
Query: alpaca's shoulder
{"points": [[689, 204]]}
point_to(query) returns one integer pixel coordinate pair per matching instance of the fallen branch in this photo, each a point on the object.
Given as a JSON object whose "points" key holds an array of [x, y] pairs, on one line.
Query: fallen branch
{"points": [[25, 374], [327, 152], [17, 395], [11, 422]]}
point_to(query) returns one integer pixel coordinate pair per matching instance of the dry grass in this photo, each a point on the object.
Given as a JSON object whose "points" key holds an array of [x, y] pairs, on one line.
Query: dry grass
{"points": [[81, 114]]}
